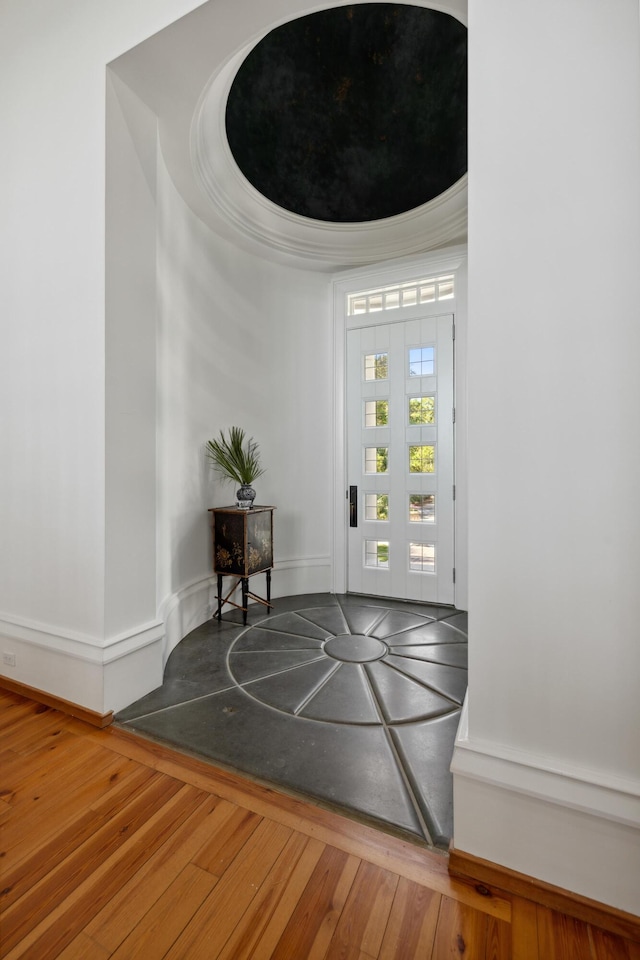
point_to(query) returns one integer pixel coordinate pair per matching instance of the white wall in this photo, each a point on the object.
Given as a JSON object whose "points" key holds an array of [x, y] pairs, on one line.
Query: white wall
{"points": [[242, 341], [554, 353], [78, 604], [52, 362], [130, 362]]}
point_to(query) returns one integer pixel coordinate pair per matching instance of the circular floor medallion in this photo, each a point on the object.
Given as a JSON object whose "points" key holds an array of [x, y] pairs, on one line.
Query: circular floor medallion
{"points": [[355, 648], [358, 665]]}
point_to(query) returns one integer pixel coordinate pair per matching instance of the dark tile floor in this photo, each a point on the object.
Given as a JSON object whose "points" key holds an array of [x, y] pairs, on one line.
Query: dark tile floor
{"points": [[351, 701]]}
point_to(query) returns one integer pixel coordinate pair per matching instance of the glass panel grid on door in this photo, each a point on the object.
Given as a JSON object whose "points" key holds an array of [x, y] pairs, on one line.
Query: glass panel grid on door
{"points": [[400, 455]]}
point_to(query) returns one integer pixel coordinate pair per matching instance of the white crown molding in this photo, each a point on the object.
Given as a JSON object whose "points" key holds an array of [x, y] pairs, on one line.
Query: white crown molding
{"points": [[401, 270], [183, 73], [435, 224]]}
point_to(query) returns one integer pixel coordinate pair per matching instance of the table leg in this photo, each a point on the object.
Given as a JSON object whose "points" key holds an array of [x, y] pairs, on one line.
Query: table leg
{"points": [[219, 596], [269, 589], [245, 590]]}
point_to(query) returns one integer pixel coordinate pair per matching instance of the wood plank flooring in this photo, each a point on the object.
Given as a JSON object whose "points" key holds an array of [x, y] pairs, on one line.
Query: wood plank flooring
{"points": [[115, 847]]}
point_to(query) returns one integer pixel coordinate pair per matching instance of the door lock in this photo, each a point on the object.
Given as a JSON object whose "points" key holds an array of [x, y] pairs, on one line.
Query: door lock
{"points": [[353, 506]]}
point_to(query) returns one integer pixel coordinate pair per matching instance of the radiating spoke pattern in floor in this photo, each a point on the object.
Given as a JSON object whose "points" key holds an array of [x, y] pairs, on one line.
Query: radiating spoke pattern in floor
{"points": [[390, 667], [348, 701]]}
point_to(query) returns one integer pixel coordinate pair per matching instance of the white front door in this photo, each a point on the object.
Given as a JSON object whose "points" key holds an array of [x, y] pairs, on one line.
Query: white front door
{"points": [[400, 452]]}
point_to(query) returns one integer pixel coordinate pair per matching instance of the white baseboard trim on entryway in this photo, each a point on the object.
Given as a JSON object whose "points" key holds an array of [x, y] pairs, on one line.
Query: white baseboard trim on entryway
{"points": [[99, 676], [108, 675], [195, 603], [574, 828]]}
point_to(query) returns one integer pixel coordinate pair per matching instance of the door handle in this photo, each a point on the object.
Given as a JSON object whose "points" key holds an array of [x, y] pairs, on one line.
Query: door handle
{"points": [[353, 506]]}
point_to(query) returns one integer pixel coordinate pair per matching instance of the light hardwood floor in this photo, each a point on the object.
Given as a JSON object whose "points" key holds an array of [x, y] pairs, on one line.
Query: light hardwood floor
{"points": [[112, 846]]}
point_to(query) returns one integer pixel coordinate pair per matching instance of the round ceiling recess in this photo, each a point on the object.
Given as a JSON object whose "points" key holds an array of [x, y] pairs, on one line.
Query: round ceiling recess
{"points": [[353, 114]]}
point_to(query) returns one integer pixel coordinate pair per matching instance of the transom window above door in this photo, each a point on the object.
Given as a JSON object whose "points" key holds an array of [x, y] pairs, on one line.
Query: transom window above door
{"points": [[410, 294]]}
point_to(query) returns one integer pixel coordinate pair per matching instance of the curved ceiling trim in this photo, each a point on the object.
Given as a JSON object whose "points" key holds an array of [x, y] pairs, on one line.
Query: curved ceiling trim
{"points": [[437, 223]]}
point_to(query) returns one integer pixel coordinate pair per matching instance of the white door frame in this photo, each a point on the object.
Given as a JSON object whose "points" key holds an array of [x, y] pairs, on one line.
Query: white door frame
{"points": [[450, 260]]}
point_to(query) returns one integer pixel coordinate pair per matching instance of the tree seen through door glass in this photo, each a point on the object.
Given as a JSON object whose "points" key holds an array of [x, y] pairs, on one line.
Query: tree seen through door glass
{"points": [[421, 361], [376, 413], [422, 410], [422, 458], [376, 553], [376, 459], [376, 506], [376, 366]]}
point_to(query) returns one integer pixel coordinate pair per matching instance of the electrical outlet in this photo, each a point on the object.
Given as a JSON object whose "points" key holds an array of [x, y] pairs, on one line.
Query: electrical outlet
{"points": [[9, 659]]}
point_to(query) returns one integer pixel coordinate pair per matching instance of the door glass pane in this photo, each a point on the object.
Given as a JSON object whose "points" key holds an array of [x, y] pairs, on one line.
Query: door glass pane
{"points": [[422, 410], [376, 413], [421, 361], [376, 553], [422, 458], [376, 366], [422, 557], [422, 508], [376, 506], [376, 459]]}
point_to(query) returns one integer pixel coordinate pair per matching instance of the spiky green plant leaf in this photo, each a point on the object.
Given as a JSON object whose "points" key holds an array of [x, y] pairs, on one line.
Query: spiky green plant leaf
{"points": [[236, 457]]}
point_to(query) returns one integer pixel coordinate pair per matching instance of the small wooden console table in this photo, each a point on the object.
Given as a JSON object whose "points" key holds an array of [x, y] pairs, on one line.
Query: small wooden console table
{"points": [[242, 547]]}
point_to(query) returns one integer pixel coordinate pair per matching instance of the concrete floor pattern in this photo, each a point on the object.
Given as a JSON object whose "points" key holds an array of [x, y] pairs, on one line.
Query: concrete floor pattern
{"points": [[350, 701]]}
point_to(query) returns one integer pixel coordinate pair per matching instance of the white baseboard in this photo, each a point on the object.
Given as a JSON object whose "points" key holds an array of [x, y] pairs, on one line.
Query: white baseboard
{"points": [[111, 674], [291, 578], [577, 829], [185, 610], [98, 676]]}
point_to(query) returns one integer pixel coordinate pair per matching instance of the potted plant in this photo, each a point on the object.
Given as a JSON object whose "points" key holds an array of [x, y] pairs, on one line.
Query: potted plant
{"points": [[237, 458]]}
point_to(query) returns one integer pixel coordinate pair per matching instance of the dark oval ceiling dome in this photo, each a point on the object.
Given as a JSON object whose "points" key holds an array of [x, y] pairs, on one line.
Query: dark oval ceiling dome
{"points": [[353, 114]]}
